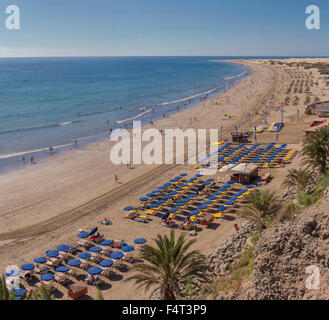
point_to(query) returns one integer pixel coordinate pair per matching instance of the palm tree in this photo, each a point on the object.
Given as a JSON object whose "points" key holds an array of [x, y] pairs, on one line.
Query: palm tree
{"points": [[299, 178], [168, 266], [4, 292], [316, 149], [262, 205]]}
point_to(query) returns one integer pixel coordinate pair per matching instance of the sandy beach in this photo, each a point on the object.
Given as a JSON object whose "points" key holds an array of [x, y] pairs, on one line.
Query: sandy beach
{"points": [[44, 205]]}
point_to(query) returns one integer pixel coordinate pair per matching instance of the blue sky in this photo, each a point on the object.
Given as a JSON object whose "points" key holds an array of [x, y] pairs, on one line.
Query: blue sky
{"points": [[164, 27]]}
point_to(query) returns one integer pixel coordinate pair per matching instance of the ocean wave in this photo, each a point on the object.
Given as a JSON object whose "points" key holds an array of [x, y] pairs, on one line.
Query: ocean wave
{"points": [[40, 127], [22, 153], [236, 76], [133, 118], [188, 98]]}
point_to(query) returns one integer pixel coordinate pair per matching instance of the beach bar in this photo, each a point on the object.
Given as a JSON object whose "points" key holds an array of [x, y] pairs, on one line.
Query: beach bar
{"points": [[244, 173]]}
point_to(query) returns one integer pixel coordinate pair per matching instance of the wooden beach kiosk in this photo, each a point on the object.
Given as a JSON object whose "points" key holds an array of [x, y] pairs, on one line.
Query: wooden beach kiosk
{"points": [[244, 173]]}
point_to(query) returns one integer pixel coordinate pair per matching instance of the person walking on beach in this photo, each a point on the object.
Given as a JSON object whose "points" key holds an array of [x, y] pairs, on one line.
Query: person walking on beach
{"points": [[32, 160], [116, 178], [75, 143], [23, 160]]}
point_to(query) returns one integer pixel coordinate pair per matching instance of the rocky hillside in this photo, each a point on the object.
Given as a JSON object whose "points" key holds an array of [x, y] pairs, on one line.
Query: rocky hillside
{"points": [[285, 251]]}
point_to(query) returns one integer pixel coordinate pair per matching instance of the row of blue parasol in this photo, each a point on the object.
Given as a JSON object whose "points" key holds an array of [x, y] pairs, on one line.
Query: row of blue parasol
{"points": [[73, 262]]}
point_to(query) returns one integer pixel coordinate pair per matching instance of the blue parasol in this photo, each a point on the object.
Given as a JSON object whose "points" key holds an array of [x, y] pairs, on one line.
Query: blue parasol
{"points": [[83, 235], [128, 248], [106, 243], [202, 207], [47, 277], [128, 208], [183, 174], [221, 209], [94, 270], [62, 269], [140, 240], [144, 199], [84, 255], [27, 267], [106, 263], [194, 212], [64, 247], [74, 262], [95, 249], [40, 260], [19, 292], [172, 210], [52, 253], [116, 255]]}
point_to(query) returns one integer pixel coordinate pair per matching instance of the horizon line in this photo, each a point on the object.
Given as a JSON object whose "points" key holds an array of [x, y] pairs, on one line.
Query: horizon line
{"points": [[168, 56]]}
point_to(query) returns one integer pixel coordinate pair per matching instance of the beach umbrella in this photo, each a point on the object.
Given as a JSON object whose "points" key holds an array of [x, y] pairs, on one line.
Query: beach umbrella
{"points": [[40, 260], [151, 195], [27, 267], [83, 235], [128, 248], [193, 195], [47, 277], [212, 198], [161, 187], [116, 255], [172, 210], [93, 231], [205, 183], [161, 202], [178, 177], [207, 203], [106, 243], [106, 263], [194, 178], [84, 255], [179, 189], [64, 247], [221, 209], [154, 206], [167, 197], [123, 244], [198, 175], [173, 193], [140, 240], [194, 213], [180, 204], [94, 271], [18, 292], [184, 185], [156, 191], [95, 249], [210, 180], [52, 253], [185, 200], [74, 262], [250, 187], [229, 203], [167, 184], [203, 207], [183, 174], [217, 193], [62, 269], [128, 208], [144, 199], [173, 180], [230, 182]]}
